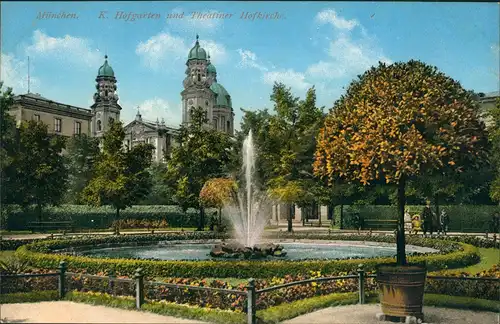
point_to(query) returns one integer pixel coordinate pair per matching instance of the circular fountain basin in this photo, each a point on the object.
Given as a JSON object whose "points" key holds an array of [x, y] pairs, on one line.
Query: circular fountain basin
{"points": [[294, 251]]}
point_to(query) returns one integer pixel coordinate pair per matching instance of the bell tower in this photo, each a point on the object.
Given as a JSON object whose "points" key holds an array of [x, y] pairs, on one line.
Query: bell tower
{"points": [[197, 91], [105, 109]]}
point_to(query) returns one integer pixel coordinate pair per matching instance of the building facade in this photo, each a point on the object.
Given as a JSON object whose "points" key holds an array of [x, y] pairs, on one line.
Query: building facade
{"points": [[156, 133], [202, 89], [486, 103], [105, 109], [62, 119]]}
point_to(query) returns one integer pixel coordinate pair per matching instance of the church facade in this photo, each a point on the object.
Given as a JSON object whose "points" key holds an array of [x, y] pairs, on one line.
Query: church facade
{"points": [[202, 89]]}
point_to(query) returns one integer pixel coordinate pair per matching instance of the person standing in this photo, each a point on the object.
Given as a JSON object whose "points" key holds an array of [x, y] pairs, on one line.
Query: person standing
{"points": [[444, 221], [427, 219]]}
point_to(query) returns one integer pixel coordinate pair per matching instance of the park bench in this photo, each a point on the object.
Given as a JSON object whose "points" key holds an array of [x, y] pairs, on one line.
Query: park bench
{"points": [[380, 224], [43, 226]]}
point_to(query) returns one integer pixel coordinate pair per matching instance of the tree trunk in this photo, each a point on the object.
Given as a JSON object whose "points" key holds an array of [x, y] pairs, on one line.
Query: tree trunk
{"points": [[220, 217], [290, 215], [341, 215], [117, 222], [201, 225], [400, 239], [435, 222], [317, 210], [39, 212]]}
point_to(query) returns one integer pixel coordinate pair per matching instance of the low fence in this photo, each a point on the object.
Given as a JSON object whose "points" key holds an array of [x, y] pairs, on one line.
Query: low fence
{"points": [[144, 290]]}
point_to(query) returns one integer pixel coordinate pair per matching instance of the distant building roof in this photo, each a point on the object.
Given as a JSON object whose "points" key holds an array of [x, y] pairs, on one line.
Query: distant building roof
{"points": [[36, 100]]}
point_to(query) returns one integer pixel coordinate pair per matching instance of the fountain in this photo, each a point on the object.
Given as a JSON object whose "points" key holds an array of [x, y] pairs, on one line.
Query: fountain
{"points": [[248, 215]]}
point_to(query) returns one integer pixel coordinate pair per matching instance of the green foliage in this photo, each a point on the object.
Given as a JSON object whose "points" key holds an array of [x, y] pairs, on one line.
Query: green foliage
{"points": [[29, 297], [494, 137], [120, 177], [38, 168], [89, 217], [13, 265], [82, 152], [203, 153], [8, 146], [457, 255], [161, 193]]}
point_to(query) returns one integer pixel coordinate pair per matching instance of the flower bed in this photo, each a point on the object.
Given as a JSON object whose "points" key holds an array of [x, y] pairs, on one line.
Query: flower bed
{"points": [[467, 288]]}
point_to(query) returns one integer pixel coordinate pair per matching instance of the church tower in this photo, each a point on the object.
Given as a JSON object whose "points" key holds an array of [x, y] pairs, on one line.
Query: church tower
{"points": [[105, 109], [196, 91]]}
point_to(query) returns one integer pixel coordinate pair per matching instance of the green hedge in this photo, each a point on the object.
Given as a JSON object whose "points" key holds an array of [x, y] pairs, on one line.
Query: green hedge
{"points": [[40, 255], [463, 218], [15, 218]]}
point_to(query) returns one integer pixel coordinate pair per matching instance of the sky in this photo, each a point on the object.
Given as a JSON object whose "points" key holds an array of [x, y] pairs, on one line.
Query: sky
{"points": [[302, 44]]}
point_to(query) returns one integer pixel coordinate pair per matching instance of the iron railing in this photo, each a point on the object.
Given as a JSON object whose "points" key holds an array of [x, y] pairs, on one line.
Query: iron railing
{"points": [[137, 285]]}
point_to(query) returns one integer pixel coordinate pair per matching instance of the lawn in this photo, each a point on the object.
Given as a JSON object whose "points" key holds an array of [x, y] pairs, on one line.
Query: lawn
{"points": [[489, 257]]}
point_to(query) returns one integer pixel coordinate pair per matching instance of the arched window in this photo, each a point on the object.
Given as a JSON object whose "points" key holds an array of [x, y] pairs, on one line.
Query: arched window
{"points": [[228, 126], [111, 120], [215, 123], [199, 78], [99, 125]]}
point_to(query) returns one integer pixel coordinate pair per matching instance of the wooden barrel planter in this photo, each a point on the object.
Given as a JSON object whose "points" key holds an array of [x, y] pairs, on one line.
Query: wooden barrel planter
{"points": [[401, 289]]}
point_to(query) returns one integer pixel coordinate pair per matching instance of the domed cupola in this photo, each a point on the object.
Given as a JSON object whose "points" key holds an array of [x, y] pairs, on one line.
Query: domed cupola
{"points": [[105, 70], [210, 67], [197, 53]]}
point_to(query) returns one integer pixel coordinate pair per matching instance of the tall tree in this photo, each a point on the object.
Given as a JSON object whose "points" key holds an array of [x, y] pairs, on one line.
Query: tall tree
{"points": [[81, 154], [203, 153], [217, 192], [121, 178], [295, 124], [396, 123], [38, 168], [494, 137], [8, 147]]}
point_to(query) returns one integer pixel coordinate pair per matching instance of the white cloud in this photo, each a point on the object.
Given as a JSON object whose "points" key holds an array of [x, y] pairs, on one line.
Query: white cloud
{"points": [[150, 110], [291, 78], [249, 59], [70, 49], [160, 49], [14, 74], [194, 21], [166, 51], [218, 53], [347, 56], [329, 16], [326, 70]]}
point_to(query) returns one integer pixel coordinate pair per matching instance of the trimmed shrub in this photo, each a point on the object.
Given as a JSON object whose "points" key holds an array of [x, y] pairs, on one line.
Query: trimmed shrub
{"points": [[40, 255], [463, 218], [88, 217]]}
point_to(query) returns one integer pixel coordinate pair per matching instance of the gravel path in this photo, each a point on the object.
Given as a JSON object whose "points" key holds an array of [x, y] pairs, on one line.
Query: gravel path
{"points": [[69, 312], [365, 314]]}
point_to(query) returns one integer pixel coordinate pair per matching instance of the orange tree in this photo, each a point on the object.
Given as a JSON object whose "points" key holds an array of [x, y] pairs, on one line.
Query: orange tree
{"points": [[398, 122], [217, 192]]}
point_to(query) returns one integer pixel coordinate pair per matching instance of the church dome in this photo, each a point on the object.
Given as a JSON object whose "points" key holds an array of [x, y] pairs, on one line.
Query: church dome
{"points": [[197, 53], [105, 69], [211, 69], [222, 96]]}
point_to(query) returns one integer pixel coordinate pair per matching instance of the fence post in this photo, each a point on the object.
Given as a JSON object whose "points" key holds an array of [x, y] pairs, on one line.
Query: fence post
{"points": [[361, 283], [251, 296], [62, 279], [111, 275], [139, 288]]}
